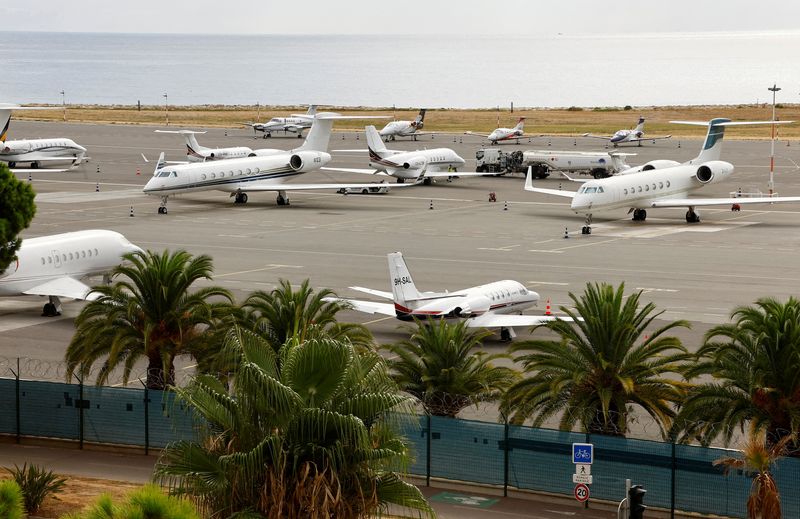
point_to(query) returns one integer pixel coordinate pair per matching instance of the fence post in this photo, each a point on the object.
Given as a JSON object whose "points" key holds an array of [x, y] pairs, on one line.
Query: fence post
{"points": [[428, 453], [80, 410], [672, 484], [146, 422], [505, 457], [18, 414]]}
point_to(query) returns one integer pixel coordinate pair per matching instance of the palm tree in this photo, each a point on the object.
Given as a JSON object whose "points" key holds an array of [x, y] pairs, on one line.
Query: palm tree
{"points": [[442, 367], [758, 458], [755, 365], [285, 313], [304, 432], [149, 312], [603, 364]]}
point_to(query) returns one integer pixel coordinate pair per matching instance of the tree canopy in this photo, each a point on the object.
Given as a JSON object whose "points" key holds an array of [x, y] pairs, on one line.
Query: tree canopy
{"points": [[16, 212]]}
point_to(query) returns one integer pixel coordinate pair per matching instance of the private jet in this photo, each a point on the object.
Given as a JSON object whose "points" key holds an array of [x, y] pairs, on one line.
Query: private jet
{"points": [[505, 134], [36, 152], [53, 266], [252, 174], [663, 183], [295, 123], [411, 129], [494, 305], [197, 153], [419, 165], [622, 136]]}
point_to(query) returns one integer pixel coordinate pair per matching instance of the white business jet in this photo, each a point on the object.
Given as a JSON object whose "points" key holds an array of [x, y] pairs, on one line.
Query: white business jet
{"points": [[53, 266], [295, 123], [197, 153], [412, 129], [621, 136], [36, 152], [252, 174], [494, 305], [419, 165], [505, 134], [662, 183]]}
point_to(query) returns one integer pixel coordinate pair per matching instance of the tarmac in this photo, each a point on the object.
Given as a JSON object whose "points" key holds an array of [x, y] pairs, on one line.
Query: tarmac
{"points": [[450, 234]]}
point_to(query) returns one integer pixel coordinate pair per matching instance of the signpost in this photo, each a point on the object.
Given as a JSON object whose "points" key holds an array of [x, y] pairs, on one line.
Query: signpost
{"points": [[582, 457]]}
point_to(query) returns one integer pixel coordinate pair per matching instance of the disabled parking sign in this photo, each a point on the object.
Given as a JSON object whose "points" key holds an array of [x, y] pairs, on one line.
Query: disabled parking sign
{"points": [[582, 453]]}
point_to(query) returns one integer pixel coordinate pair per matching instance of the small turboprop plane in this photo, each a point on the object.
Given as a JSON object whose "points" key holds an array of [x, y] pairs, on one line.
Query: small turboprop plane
{"points": [[295, 123], [197, 153], [53, 266], [253, 174], [621, 136], [419, 165], [663, 183], [505, 134], [36, 152], [494, 305], [412, 129]]}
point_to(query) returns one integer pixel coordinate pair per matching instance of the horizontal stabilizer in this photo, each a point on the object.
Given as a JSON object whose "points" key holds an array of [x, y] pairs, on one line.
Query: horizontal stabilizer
{"points": [[492, 320], [305, 187], [379, 293], [556, 192], [362, 171], [367, 307]]}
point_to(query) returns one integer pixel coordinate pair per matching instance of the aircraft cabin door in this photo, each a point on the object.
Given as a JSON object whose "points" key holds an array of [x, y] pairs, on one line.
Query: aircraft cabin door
{"points": [[56, 259]]}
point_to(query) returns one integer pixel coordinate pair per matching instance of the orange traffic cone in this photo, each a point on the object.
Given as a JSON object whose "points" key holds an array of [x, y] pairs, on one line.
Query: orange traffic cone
{"points": [[547, 308], [138, 171]]}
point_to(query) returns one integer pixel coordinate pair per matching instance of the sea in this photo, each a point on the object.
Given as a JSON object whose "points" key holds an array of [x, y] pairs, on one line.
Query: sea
{"points": [[462, 71]]}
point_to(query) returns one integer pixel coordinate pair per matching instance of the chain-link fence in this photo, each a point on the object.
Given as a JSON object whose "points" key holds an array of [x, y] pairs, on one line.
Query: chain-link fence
{"points": [[677, 477]]}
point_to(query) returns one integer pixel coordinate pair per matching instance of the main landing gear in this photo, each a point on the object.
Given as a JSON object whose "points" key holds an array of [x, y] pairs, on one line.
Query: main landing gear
{"points": [[639, 215], [52, 308], [506, 334], [587, 229], [692, 216], [267, 135], [282, 199], [162, 209], [240, 198]]}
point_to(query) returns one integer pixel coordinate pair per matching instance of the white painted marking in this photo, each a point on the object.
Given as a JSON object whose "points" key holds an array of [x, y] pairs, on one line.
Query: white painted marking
{"points": [[547, 283], [507, 248]]}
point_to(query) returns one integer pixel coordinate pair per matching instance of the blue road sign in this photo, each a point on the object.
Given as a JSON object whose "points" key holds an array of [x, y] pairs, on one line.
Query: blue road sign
{"points": [[582, 453]]}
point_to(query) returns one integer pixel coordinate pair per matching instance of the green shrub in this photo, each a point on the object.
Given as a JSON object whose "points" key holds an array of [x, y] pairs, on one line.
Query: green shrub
{"points": [[10, 500], [574, 109], [147, 502], [628, 107], [36, 484]]}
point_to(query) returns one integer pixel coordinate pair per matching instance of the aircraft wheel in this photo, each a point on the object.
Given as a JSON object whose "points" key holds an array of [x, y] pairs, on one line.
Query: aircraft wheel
{"points": [[282, 201], [299, 135], [692, 217], [49, 310], [162, 210], [244, 198], [427, 181], [12, 164], [364, 191], [505, 335], [401, 180], [34, 165]]}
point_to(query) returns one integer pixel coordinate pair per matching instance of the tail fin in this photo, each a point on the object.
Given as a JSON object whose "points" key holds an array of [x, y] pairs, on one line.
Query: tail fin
{"points": [[520, 124], [319, 136], [193, 147], [640, 125], [419, 122], [312, 110], [5, 122], [403, 288], [375, 145], [160, 163]]}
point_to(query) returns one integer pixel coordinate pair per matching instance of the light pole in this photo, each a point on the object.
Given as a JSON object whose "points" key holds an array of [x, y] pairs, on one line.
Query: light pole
{"points": [[166, 108], [774, 89], [64, 105]]}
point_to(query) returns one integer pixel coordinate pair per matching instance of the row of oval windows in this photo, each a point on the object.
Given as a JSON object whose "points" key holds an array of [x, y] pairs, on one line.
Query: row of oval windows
{"points": [[71, 256], [647, 188], [221, 174]]}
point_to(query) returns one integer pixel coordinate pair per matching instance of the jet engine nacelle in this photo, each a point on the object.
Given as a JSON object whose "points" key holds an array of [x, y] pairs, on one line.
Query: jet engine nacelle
{"points": [[659, 164], [417, 163], [473, 306], [713, 171], [303, 161]]}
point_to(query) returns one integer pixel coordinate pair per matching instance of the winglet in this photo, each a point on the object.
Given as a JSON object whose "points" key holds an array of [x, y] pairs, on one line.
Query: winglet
{"points": [[529, 179]]}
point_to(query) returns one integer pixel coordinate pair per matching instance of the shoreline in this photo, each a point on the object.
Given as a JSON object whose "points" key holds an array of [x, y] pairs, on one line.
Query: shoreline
{"points": [[572, 121]]}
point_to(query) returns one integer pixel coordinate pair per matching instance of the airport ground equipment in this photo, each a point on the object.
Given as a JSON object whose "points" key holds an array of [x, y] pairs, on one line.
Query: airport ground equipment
{"points": [[497, 160], [599, 164]]}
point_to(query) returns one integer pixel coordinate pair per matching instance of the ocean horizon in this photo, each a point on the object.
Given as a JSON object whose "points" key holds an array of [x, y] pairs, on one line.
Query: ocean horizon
{"points": [[447, 71]]}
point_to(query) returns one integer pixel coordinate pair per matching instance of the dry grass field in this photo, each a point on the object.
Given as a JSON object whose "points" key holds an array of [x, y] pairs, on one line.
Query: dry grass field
{"points": [[571, 121]]}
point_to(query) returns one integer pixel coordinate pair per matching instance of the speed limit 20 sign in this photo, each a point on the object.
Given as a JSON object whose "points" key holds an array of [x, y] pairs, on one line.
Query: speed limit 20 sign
{"points": [[581, 492]]}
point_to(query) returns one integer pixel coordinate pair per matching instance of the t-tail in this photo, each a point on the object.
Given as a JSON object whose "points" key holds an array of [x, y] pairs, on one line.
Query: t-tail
{"points": [[639, 125], [521, 124], [419, 122], [312, 110], [5, 122], [375, 146], [403, 288], [319, 136], [712, 144]]}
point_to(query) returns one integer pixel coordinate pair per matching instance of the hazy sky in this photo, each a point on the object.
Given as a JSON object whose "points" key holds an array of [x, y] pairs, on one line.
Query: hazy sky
{"points": [[401, 16]]}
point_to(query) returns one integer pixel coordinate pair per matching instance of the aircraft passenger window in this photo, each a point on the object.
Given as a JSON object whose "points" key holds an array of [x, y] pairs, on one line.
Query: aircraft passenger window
{"points": [[249, 171], [204, 176], [90, 253], [240, 172], [83, 254], [647, 188], [255, 170], [70, 255], [230, 173], [49, 260], [212, 175], [42, 261], [64, 257], [640, 189], [95, 252], [661, 185], [625, 191], [667, 183], [654, 186]]}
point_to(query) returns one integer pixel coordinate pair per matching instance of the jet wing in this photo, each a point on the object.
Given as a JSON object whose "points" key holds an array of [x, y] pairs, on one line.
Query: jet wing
{"points": [[367, 307], [492, 320], [592, 136], [63, 287], [634, 139], [476, 133], [310, 187], [379, 293], [354, 170], [556, 192], [698, 202], [448, 174], [44, 170]]}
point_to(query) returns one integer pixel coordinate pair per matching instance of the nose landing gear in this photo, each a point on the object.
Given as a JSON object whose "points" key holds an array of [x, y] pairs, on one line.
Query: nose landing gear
{"points": [[162, 209], [587, 229]]}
